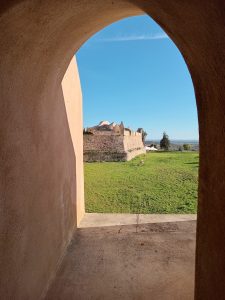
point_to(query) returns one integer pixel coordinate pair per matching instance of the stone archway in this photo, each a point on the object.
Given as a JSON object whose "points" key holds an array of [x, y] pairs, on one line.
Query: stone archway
{"points": [[38, 40]]}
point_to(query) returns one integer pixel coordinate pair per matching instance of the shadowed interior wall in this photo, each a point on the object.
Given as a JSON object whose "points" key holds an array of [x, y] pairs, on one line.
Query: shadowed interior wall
{"points": [[73, 102], [38, 186]]}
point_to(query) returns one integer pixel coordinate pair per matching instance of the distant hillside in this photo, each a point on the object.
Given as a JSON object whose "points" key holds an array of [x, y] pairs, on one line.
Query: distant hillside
{"points": [[176, 144]]}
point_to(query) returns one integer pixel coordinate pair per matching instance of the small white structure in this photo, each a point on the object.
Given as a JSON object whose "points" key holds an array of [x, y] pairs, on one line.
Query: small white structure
{"points": [[150, 148]]}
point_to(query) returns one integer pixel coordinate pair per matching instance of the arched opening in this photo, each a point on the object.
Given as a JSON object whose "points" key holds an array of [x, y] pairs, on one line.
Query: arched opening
{"points": [[38, 41], [130, 246], [132, 72]]}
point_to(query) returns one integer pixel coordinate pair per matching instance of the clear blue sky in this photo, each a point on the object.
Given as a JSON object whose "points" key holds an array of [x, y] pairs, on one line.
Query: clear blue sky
{"points": [[132, 72]]}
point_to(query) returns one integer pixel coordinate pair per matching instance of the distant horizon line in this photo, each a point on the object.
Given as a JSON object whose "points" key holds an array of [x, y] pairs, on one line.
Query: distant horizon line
{"points": [[173, 139]]}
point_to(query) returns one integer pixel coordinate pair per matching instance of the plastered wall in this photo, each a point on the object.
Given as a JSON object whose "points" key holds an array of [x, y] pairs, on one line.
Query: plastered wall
{"points": [[40, 187], [38, 180], [73, 102]]}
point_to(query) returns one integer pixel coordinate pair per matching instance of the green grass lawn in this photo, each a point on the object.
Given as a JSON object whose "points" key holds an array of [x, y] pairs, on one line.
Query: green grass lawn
{"points": [[165, 183]]}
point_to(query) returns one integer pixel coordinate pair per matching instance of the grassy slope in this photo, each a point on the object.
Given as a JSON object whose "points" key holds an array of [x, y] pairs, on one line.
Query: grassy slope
{"points": [[165, 183]]}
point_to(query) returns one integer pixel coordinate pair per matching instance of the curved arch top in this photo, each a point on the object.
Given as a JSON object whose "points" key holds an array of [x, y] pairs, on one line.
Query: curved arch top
{"points": [[37, 42]]}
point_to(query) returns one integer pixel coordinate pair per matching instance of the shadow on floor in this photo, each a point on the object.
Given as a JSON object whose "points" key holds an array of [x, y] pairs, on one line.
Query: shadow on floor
{"points": [[145, 261]]}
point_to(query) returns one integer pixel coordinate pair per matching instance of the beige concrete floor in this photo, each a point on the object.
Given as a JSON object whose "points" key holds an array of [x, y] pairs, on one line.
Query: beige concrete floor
{"points": [[100, 220], [153, 261]]}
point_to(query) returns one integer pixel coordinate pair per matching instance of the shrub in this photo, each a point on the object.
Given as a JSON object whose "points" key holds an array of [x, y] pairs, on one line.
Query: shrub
{"points": [[187, 147]]}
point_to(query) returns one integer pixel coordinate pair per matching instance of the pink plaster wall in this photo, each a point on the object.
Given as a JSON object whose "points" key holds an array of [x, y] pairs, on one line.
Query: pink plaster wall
{"points": [[38, 187], [73, 102], [37, 160]]}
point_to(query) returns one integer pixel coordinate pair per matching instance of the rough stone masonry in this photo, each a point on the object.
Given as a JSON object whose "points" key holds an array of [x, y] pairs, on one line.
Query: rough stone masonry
{"points": [[112, 142]]}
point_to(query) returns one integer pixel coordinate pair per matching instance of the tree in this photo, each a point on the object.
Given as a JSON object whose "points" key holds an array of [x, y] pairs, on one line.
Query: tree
{"points": [[187, 147], [165, 142], [144, 134]]}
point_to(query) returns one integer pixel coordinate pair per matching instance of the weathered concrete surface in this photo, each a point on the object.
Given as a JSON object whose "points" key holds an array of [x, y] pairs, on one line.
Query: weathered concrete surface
{"points": [[150, 261], [100, 220]]}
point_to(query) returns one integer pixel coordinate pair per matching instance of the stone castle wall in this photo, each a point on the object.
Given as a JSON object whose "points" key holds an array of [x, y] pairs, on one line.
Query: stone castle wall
{"points": [[112, 147], [133, 145], [132, 142]]}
